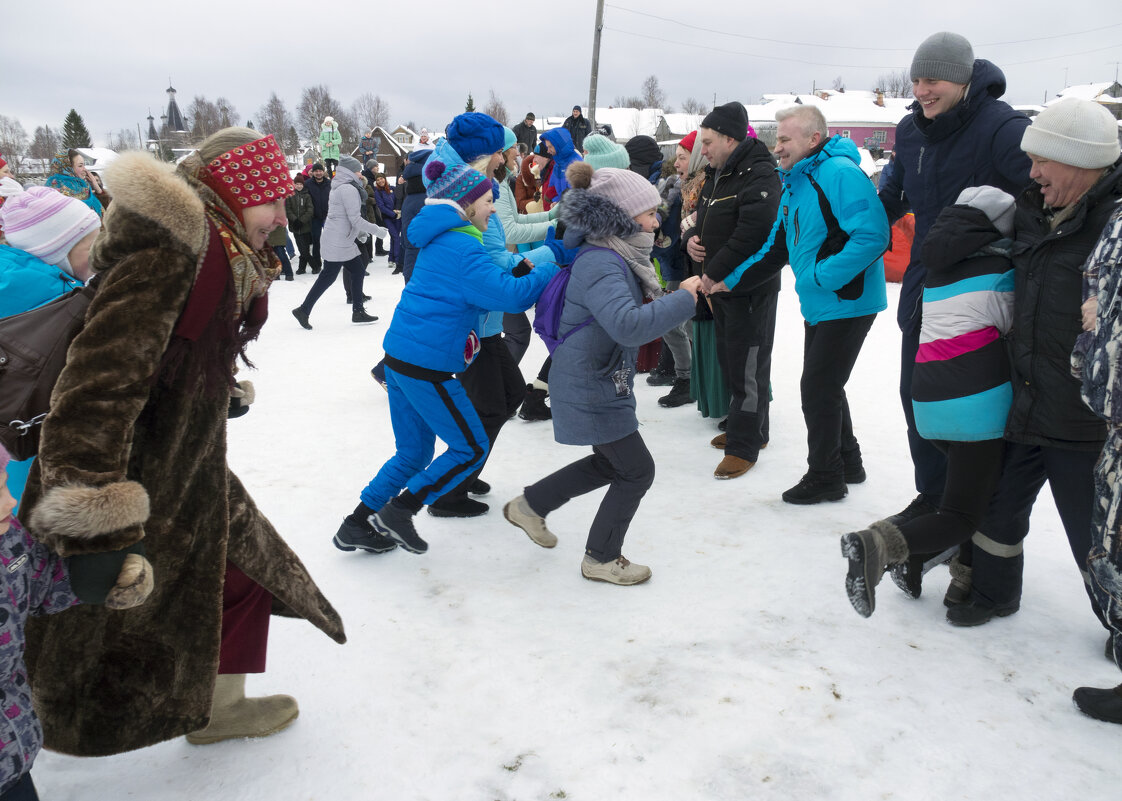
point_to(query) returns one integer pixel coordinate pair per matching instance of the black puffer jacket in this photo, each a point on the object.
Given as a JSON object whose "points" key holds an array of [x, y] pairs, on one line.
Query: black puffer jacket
{"points": [[735, 213], [1047, 408]]}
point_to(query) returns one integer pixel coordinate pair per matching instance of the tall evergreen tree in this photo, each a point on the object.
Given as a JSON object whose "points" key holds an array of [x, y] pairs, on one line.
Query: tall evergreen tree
{"points": [[470, 104], [74, 131]]}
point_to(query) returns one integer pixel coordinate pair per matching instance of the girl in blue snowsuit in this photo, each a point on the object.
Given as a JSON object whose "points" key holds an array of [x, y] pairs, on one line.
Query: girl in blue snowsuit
{"points": [[431, 338]]}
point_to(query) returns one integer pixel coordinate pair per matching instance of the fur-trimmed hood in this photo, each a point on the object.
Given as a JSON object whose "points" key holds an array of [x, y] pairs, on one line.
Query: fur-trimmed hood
{"points": [[156, 192], [591, 216]]}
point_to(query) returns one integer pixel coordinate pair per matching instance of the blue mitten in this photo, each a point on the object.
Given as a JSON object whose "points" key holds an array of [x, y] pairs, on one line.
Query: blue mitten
{"points": [[561, 254]]}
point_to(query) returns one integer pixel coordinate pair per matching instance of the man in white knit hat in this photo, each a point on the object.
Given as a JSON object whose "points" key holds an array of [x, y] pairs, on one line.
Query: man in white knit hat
{"points": [[1051, 435]]}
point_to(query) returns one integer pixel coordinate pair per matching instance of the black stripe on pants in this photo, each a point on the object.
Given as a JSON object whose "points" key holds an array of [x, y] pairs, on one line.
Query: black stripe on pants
{"points": [[457, 473]]}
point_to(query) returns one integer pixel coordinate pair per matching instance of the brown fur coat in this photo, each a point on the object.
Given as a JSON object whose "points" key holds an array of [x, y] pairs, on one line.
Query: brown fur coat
{"points": [[126, 456]]}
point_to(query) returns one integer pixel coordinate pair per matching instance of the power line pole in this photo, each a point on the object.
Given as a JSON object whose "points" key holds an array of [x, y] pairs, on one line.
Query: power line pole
{"points": [[595, 63]]}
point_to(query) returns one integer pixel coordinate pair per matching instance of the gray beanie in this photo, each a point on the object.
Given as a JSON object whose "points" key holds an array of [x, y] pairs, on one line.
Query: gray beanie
{"points": [[372, 165], [350, 163], [1080, 133], [944, 57], [996, 205]]}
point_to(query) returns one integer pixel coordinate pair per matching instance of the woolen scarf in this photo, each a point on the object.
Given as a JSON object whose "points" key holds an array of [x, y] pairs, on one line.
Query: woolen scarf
{"points": [[636, 251]]}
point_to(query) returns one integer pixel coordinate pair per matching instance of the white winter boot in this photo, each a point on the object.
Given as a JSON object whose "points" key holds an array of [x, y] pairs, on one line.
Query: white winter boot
{"points": [[232, 715]]}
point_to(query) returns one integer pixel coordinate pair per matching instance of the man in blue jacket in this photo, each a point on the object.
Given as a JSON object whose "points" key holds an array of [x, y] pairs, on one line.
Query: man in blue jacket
{"points": [[832, 230]]}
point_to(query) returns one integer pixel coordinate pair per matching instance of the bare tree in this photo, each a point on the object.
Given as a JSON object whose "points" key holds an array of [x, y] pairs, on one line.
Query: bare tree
{"points": [[227, 114], [691, 105], [652, 94], [627, 102], [895, 84], [124, 139], [839, 84], [370, 111], [274, 118], [44, 144], [317, 102], [204, 118], [496, 109], [13, 142]]}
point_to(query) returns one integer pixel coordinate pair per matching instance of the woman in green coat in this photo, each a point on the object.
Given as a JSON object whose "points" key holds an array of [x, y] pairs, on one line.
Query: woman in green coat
{"points": [[329, 141]]}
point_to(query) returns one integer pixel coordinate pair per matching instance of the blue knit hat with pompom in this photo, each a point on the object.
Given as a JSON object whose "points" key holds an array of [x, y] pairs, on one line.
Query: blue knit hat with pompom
{"points": [[473, 135], [456, 182]]}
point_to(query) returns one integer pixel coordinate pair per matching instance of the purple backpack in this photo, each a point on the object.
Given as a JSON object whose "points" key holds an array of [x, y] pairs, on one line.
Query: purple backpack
{"points": [[547, 312]]}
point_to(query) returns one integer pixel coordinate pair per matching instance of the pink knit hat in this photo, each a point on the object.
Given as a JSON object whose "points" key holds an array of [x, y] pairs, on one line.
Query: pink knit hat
{"points": [[46, 223]]}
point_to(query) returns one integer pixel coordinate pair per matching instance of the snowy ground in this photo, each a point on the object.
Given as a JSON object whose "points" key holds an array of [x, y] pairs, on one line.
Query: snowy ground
{"points": [[489, 670]]}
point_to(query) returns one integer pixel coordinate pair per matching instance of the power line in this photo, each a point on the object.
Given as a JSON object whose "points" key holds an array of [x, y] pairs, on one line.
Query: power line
{"points": [[848, 47]]}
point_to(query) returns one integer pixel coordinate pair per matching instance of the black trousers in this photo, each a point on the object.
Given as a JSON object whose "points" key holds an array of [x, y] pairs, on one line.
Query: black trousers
{"points": [[286, 265], [999, 544], [304, 245], [313, 238], [929, 462], [745, 335], [517, 332], [625, 467], [973, 470], [830, 350], [331, 269], [23, 790], [495, 387]]}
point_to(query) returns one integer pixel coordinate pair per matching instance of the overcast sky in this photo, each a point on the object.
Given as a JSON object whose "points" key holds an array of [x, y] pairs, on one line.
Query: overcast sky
{"points": [[112, 60]]}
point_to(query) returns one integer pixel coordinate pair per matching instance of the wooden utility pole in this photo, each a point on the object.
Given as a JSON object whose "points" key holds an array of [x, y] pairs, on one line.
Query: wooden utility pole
{"points": [[595, 64]]}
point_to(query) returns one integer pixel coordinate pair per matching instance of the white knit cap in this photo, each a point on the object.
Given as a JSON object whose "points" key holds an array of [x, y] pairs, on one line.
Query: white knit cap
{"points": [[630, 191], [995, 204], [1080, 133], [46, 223]]}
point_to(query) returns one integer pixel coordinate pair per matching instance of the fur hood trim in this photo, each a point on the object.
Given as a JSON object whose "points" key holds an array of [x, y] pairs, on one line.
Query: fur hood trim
{"points": [[82, 519], [595, 216], [154, 190]]}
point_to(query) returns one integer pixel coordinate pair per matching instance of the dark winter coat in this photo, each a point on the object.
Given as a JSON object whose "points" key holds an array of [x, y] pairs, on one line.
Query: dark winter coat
{"points": [[299, 209], [960, 388], [735, 212], [976, 143], [1047, 408], [526, 135], [135, 447], [413, 203], [578, 128], [592, 378], [321, 197]]}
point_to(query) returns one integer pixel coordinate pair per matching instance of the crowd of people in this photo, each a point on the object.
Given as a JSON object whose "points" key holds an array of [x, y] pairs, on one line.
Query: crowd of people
{"points": [[1010, 328]]}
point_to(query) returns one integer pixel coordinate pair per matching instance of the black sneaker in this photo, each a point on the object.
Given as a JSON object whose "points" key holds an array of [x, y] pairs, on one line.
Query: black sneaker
{"points": [[973, 613], [479, 487], [397, 523], [657, 378], [679, 394], [356, 534], [855, 472], [534, 407], [917, 508], [301, 317], [1105, 705], [461, 506], [815, 489], [360, 316]]}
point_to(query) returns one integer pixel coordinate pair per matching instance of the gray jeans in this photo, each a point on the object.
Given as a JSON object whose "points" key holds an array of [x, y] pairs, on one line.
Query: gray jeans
{"points": [[677, 339]]}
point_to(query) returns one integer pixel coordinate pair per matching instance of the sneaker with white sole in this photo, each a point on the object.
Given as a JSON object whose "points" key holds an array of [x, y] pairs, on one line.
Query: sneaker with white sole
{"points": [[396, 523], [520, 514], [617, 571]]}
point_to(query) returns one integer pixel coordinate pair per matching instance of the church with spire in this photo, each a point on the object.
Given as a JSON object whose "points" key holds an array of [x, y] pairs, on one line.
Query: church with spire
{"points": [[172, 132]]}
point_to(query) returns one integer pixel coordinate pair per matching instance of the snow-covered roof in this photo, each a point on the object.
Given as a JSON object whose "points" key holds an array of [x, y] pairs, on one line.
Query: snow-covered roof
{"points": [[1085, 91], [683, 123], [842, 108]]}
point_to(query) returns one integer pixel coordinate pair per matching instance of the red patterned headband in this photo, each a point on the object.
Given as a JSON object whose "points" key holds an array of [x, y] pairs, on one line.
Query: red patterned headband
{"points": [[251, 174]]}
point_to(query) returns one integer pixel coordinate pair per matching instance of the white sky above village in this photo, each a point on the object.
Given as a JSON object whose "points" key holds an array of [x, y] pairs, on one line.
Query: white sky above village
{"points": [[111, 60]]}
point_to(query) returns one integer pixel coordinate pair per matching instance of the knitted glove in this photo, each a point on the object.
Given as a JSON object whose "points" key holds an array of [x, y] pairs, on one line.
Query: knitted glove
{"points": [[119, 579], [241, 396], [561, 254], [521, 269]]}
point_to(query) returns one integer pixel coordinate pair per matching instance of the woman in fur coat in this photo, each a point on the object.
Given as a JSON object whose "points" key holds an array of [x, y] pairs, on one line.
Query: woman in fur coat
{"points": [[134, 449], [610, 215]]}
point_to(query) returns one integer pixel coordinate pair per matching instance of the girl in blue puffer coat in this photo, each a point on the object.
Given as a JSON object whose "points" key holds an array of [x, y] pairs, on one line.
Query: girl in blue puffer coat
{"points": [[433, 336]]}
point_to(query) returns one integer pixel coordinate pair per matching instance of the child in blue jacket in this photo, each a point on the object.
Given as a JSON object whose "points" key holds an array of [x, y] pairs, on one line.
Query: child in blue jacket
{"points": [[431, 338]]}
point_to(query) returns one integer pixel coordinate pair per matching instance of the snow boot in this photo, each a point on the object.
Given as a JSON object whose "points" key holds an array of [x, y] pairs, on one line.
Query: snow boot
{"points": [[908, 575], [357, 533], [232, 715], [534, 408], [396, 522], [815, 489], [732, 467], [868, 552], [679, 394], [658, 378], [1105, 705], [360, 316], [973, 613], [917, 508], [479, 487], [457, 506], [520, 514], [958, 591], [302, 317]]}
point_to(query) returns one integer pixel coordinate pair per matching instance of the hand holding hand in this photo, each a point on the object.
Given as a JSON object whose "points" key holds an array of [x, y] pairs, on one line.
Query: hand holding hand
{"points": [[720, 286], [691, 285]]}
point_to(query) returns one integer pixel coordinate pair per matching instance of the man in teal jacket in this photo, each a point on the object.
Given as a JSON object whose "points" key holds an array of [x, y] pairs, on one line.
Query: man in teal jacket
{"points": [[833, 231]]}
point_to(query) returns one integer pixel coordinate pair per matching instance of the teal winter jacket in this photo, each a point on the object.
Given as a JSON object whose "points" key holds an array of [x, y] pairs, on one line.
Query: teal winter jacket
{"points": [[832, 230]]}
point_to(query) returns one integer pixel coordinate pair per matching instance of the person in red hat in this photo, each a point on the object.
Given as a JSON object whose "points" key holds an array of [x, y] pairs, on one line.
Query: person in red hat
{"points": [[134, 449]]}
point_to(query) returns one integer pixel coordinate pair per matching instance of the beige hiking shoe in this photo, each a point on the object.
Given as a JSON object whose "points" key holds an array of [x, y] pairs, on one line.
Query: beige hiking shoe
{"points": [[232, 715], [520, 514], [618, 571], [732, 467]]}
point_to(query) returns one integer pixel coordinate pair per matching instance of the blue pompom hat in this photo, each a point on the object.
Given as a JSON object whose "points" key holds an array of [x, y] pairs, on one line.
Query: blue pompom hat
{"points": [[456, 182], [473, 134]]}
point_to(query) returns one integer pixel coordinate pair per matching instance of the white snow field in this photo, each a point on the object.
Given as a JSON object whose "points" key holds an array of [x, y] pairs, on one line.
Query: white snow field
{"points": [[489, 670]]}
